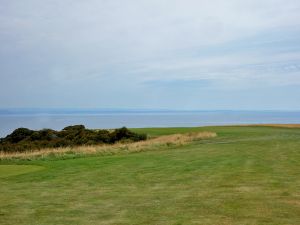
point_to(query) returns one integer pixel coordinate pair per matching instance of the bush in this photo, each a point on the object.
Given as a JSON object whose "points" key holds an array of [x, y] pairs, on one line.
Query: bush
{"points": [[23, 139], [124, 133], [75, 128], [19, 135]]}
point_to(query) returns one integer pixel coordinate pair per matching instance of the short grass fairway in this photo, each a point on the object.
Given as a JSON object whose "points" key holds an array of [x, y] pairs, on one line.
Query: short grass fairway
{"points": [[246, 175], [13, 170]]}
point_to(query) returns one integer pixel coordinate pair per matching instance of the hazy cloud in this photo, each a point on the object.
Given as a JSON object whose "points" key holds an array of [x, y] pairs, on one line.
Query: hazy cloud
{"points": [[113, 53]]}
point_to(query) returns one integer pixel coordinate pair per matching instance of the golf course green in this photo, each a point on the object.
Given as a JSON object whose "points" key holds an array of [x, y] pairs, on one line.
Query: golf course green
{"points": [[247, 175]]}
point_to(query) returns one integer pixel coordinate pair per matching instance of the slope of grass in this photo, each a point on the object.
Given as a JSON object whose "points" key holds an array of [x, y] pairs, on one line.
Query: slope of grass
{"points": [[246, 175]]}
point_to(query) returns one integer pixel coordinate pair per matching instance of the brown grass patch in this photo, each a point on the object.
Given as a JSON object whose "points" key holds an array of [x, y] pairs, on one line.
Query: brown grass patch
{"points": [[150, 144], [274, 125], [295, 202]]}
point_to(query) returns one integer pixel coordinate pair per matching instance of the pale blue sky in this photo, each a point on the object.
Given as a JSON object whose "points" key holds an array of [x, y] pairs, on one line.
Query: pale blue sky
{"points": [[167, 54]]}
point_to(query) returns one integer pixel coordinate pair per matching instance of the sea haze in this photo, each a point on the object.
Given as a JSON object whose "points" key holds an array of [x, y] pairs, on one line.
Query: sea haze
{"points": [[11, 119]]}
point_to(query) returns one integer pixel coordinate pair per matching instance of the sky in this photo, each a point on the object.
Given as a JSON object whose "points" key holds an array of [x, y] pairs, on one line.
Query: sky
{"points": [[150, 54]]}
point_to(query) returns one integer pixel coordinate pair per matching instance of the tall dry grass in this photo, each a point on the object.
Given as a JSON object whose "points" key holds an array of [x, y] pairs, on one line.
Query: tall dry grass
{"points": [[150, 144], [282, 125], [273, 125]]}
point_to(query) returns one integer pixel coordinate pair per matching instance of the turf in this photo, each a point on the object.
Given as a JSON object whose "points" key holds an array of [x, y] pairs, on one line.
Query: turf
{"points": [[13, 170], [247, 175]]}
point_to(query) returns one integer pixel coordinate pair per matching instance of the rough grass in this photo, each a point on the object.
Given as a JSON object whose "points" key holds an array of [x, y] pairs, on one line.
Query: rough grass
{"points": [[244, 176], [152, 143], [278, 125]]}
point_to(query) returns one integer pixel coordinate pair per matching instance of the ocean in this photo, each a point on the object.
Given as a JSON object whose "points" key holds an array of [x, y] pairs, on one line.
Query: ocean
{"points": [[56, 119]]}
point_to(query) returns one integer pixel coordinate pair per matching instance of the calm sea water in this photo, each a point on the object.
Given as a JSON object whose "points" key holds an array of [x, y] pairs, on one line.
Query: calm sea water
{"points": [[9, 122]]}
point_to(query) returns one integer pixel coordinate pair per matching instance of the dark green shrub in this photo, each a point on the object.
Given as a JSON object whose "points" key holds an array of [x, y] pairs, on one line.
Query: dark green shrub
{"points": [[124, 133], [23, 139], [19, 134], [74, 128]]}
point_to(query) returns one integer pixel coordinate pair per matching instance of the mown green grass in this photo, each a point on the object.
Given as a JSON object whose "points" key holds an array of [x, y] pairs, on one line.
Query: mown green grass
{"points": [[247, 175], [13, 170]]}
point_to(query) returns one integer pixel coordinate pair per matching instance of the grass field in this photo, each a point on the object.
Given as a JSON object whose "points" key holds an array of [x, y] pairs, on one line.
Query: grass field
{"points": [[245, 175]]}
